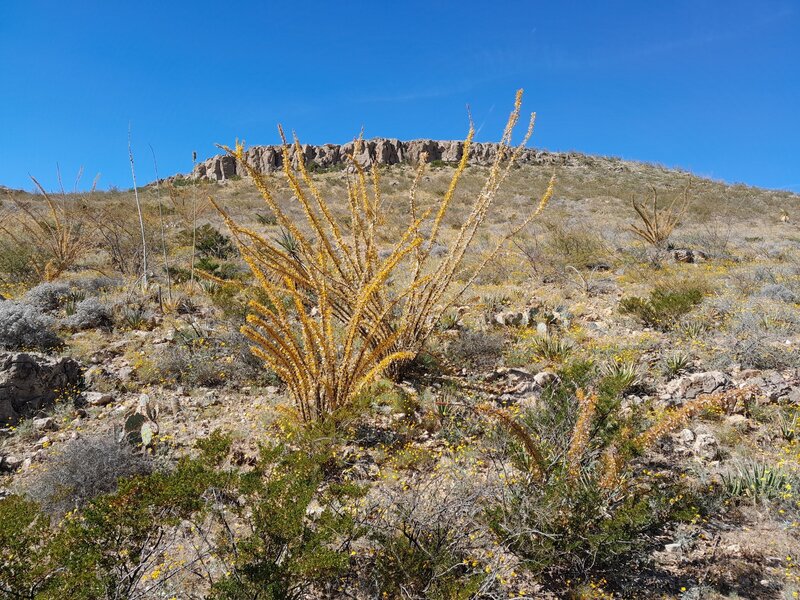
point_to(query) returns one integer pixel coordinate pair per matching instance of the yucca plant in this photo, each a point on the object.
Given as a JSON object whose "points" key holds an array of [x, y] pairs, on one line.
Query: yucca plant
{"points": [[677, 363], [658, 224], [550, 346], [332, 322], [624, 372], [756, 480]]}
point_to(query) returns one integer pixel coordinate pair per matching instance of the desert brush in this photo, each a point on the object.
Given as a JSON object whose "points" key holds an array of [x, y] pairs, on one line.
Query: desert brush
{"points": [[57, 235]]}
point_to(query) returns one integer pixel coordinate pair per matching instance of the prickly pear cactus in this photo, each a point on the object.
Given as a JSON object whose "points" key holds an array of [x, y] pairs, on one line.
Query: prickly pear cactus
{"points": [[141, 426], [133, 428]]}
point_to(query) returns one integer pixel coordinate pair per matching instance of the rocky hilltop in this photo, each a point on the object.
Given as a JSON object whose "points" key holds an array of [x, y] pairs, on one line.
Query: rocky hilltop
{"points": [[382, 151]]}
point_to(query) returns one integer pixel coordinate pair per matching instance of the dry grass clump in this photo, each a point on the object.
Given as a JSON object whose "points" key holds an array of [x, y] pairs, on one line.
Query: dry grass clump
{"points": [[340, 308]]}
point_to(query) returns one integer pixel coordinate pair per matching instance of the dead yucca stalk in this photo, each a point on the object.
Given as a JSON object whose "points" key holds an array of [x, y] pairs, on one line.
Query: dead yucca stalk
{"points": [[348, 322], [658, 224], [581, 433], [538, 466], [57, 233]]}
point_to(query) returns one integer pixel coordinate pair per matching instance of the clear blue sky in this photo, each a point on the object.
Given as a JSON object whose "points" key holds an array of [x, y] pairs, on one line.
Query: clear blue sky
{"points": [[709, 86]]}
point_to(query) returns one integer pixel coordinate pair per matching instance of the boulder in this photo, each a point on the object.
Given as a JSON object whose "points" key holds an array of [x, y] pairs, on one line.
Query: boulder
{"points": [[29, 382], [98, 398], [45, 424], [692, 386], [705, 445]]}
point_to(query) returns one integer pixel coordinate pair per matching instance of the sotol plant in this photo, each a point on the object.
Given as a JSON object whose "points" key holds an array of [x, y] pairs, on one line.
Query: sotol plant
{"points": [[331, 322]]}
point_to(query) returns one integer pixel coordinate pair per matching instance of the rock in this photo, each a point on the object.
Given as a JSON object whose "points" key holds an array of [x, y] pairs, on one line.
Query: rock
{"points": [[771, 384], [705, 446], [794, 395], [691, 386], [10, 463], [30, 382], [544, 378], [734, 550], [521, 318], [98, 398], [685, 436], [599, 265], [45, 424], [748, 374], [673, 547], [174, 405], [686, 255], [739, 421]]}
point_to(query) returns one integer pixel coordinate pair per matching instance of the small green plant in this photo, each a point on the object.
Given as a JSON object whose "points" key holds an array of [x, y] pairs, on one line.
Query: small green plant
{"points": [[666, 305], [756, 480], [624, 373], [677, 363], [448, 321], [550, 346], [210, 242], [788, 425], [266, 219], [693, 328]]}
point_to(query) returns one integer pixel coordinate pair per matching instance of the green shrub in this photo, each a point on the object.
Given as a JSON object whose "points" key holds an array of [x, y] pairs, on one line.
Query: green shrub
{"points": [[424, 533], [587, 514], [106, 550], [209, 242], [285, 554], [16, 262], [666, 305], [24, 567], [757, 480], [575, 245], [116, 546]]}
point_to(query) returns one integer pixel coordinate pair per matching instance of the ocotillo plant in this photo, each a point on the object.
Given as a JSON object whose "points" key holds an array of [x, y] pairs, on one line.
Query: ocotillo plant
{"points": [[332, 322]]}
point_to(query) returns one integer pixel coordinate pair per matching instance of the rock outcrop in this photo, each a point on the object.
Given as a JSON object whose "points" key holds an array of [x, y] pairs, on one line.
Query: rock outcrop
{"points": [[29, 382], [381, 151]]}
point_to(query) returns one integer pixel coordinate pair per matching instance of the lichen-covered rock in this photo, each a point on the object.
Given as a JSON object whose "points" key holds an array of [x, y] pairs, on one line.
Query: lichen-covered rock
{"points": [[29, 382], [691, 386]]}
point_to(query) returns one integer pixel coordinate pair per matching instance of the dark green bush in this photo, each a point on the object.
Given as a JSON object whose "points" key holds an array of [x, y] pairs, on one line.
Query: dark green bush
{"points": [[666, 306], [209, 242], [114, 546]]}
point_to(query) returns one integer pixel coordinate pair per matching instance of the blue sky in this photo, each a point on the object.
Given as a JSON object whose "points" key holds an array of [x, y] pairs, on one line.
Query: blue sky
{"points": [[709, 86]]}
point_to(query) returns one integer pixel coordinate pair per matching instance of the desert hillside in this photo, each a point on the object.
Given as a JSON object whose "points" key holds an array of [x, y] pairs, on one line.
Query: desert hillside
{"points": [[387, 370]]}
